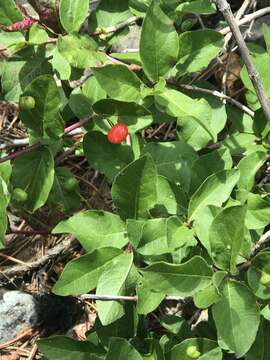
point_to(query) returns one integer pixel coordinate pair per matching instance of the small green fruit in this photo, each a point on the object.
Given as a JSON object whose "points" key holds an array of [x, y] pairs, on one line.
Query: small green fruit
{"points": [[19, 195], [192, 352], [70, 184], [265, 278], [27, 103]]}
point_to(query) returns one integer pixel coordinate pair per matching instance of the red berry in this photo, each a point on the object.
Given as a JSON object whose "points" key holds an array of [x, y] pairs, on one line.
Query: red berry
{"points": [[118, 133]]}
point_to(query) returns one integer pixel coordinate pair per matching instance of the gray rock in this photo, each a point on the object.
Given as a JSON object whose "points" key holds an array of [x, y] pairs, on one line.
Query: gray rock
{"points": [[256, 32], [131, 41], [17, 312]]}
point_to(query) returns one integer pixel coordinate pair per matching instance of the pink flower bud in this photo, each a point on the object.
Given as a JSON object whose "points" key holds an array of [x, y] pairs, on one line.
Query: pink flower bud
{"points": [[20, 25]]}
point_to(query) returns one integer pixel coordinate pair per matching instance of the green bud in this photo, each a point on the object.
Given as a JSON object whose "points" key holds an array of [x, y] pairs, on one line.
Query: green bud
{"points": [[188, 24], [70, 184], [19, 195], [265, 278], [27, 103], [192, 352]]}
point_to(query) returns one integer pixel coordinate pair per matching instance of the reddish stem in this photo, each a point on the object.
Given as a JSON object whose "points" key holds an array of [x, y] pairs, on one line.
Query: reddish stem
{"points": [[38, 145]]}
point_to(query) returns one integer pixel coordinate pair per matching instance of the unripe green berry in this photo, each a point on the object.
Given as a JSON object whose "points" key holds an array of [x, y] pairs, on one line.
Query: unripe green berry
{"points": [[70, 184], [27, 103], [188, 24], [19, 195], [192, 352], [265, 278]]}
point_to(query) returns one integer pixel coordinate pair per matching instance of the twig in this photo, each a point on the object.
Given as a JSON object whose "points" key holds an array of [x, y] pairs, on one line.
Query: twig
{"points": [[33, 352], [27, 332], [70, 129], [220, 95], [15, 143], [248, 18], [112, 29], [255, 249], [20, 152], [11, 258], [225, 9], [263, 239], [61, 250], [25, 141], [119, 297]]}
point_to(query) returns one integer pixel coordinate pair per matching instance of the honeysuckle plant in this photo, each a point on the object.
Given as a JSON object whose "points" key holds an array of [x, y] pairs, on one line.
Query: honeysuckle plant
{"points": [[190, 213]]}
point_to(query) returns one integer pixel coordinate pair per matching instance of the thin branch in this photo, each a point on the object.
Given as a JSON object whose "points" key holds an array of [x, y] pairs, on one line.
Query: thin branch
{"points": [[248, 18], [225, 9], [260, 244], [255, 249], [61, 250], [120, 297], [68, 130], [112, 29], [220, 95]]}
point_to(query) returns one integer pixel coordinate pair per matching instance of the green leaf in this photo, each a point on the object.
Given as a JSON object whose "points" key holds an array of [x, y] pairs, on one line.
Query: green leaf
{"points": [[161, 236], [64, 348], [197, 49], [12, 41], [37, 35], [125, 327], [184, 279], [95, 229], [109, 13], [155, 352], [261, 347], [248, 167], [180, 105], [3, 215], [159, 43], [148, 300], [215, 190], [209, 164], [171, 198], [226, 237], [9, 13], [112, 281], [237, 317], [258, 212], [34, 173], [266, 34], [191, 131], [105, 157], [82, 274], [73, 13], [18, 74], [79, 50], [119, 82], [173, 160], [134, 188], [203, 7], [210, 295], [202, 223], [261, 61], [80, 105], [257, 272], [119, 108], [92, 90], [44, 120], [208, 350], [121, 349], [5, 171], [61, 65], [69, 199]]}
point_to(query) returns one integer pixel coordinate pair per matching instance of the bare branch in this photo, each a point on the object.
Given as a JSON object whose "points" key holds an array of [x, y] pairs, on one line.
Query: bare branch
{"points": [[225, 9], [121, 297], [220, 95]]}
